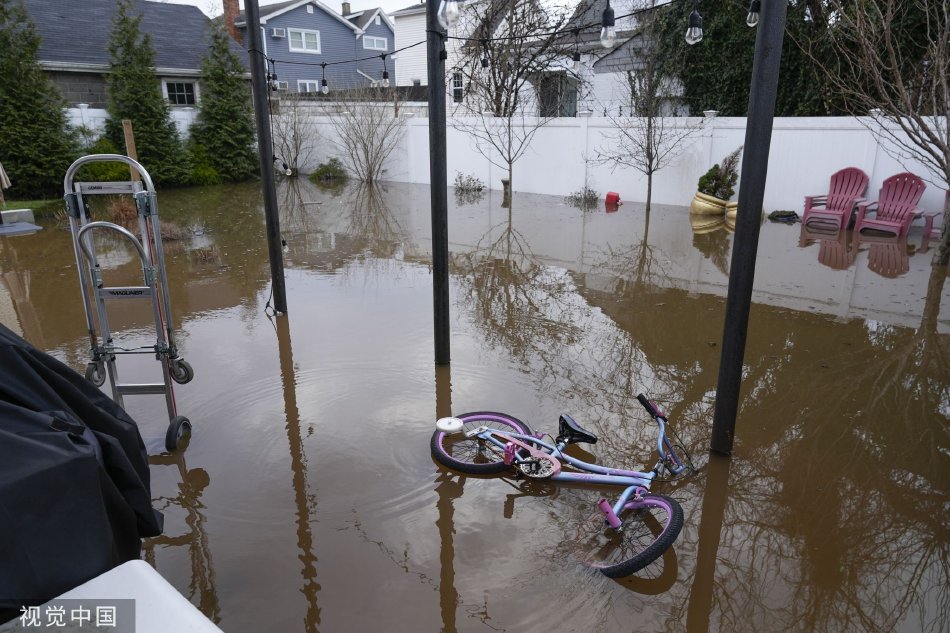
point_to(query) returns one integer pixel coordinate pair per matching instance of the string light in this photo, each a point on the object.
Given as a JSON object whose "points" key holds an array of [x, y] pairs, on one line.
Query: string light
{"points": [[448, 13], [694, 34], [484, 53], [385, 72], [753, 18], [324, 88], [608, 31], [576, 57]]}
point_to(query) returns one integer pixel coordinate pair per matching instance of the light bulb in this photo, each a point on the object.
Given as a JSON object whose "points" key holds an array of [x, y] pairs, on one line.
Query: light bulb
{"points": [[577, 60], [448, 14], [324, 88], [385, 79], [753, 18], [694, 34], [288, 172], [608, 34]]}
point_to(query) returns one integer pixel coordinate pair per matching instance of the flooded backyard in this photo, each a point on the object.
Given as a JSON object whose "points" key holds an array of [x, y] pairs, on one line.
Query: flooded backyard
{"points": [[307, 500]]}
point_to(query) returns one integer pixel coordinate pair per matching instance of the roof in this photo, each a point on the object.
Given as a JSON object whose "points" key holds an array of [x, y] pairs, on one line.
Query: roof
{"points": [[418, 7], [60, 23], [362, 18], [269, 11]]}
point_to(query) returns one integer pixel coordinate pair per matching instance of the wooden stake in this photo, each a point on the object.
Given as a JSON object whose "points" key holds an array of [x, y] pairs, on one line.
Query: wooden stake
{"points": [[130, 146]]}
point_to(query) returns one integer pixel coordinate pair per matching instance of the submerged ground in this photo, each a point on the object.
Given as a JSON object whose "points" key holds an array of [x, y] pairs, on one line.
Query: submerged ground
{"points": [[307, 499]]}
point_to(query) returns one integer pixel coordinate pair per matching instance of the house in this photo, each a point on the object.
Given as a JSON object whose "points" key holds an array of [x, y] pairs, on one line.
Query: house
{"points": [[599, 80], [309, 42], [74, 47]]}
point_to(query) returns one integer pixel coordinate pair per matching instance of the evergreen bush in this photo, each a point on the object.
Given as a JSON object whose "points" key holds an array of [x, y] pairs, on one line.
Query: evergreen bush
{"points": [[203, 171], [36, 144], [103, 172], [135, 93], [720, 180], [224, 129]]}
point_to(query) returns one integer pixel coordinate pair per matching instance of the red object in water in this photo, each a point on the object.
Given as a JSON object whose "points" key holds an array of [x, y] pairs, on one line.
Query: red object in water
{"points": [[613, 198]]}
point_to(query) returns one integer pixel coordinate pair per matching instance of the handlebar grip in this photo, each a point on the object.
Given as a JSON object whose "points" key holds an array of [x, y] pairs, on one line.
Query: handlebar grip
{"points": [[651, 408]]}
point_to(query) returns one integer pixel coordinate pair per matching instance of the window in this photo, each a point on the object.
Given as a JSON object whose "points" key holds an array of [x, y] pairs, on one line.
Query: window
{"points": [[378, 21], [458, 90], [375, 43], [304, 41], [180, 93], [308, 85], [309, 8]]}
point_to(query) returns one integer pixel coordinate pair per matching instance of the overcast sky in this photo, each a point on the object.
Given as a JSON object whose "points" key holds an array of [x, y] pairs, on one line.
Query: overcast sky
{"points": [[213, 7]]}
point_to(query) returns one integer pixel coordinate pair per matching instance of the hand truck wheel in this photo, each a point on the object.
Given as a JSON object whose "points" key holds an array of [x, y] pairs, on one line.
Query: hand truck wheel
{"points": [[178, 429], [95, 373], [181, 371]]}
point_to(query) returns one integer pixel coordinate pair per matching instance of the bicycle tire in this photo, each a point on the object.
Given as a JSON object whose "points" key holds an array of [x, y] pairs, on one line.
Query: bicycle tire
{"points": [[471, 455], [650, 526]]}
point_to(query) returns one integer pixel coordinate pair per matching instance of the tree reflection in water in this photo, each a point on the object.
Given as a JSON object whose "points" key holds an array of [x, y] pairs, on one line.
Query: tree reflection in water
{"points": [[832, 516]]}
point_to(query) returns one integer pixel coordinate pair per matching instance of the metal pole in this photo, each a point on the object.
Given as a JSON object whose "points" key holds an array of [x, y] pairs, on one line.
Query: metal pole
{"points": [[265, 147], [438, 184], [758, 137]]}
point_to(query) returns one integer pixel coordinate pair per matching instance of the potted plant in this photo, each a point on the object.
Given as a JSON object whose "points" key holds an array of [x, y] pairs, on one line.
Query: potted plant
{"points": [[716, 186]]}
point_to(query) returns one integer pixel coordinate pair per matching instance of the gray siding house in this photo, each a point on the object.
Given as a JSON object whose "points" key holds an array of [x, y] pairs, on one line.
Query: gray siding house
{"points": [[74, 48], [301, 35]]}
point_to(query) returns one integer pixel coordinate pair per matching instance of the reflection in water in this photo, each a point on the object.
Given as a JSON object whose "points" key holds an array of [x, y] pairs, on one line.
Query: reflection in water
{"points": [[191, 485], [305, 502], [831, 517]]}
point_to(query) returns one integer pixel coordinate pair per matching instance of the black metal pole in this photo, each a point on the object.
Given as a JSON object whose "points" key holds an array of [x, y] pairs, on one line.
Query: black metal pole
{"points": [[265, 148], [438, 184], [758, 137]]}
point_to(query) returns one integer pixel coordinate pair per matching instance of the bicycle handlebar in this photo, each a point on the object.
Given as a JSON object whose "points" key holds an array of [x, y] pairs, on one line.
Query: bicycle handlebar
{"points": [[650, 406]]}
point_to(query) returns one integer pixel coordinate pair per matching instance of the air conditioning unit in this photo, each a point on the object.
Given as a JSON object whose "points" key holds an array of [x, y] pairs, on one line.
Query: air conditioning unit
{"points": [[283, 85], [278, 32]]}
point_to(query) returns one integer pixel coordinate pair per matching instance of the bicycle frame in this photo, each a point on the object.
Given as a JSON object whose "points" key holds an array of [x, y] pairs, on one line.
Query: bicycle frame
{"points": [[636, 482]]}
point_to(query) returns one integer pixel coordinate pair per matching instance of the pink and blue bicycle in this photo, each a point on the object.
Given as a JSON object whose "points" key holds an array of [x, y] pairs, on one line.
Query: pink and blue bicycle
{"points": [[632, 532]]}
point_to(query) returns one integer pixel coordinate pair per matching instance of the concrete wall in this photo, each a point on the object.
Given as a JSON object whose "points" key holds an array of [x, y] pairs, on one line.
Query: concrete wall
{"points": [[804, 153]]}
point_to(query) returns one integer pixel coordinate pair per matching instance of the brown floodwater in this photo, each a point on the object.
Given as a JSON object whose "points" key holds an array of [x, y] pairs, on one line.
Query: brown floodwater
{"points": [[307, 500]]}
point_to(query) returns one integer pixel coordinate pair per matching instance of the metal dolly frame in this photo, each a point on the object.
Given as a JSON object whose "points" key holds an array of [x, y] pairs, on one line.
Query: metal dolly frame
{"points": [[102, 347]]}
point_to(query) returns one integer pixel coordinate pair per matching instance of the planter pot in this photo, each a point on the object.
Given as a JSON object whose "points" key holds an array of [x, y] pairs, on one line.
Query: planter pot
{"points": [[705, 223], [732, 208], [704, 204]]}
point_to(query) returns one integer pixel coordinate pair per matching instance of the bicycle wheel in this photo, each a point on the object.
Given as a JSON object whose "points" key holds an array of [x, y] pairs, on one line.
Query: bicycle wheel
{"points": [[471, 455], [649, 527]]}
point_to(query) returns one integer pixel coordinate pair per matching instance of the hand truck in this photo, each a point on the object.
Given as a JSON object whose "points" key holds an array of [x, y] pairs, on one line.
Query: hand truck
{"points": [[103, 349]]}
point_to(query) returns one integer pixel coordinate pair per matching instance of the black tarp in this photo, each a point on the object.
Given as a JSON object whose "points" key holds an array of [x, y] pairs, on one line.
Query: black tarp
{"points": [[74, 480]]}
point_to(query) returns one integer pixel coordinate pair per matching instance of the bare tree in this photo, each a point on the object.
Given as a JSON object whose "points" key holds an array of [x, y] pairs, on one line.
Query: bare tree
{"points": [[646, 136], [513, 52], [368, 130], [295, 133], [891, 60]]}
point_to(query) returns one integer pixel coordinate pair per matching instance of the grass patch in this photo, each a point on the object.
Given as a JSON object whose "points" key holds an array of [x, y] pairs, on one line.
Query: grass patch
{"points": [[41, 208]]}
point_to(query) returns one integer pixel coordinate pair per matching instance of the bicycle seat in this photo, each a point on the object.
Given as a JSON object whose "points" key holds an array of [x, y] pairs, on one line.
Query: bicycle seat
{"points": [[571, 432]]}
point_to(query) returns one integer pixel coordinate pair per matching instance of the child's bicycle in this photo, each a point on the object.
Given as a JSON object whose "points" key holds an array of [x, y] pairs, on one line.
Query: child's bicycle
{"points": [[636, 529]]}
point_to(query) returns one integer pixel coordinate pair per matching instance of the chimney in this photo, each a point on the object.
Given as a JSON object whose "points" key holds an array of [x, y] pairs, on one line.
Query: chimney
{"points": [[231, 14], [346, 8]]}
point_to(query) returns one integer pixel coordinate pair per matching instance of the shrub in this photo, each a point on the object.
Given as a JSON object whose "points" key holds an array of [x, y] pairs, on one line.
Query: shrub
{"points": [[103, 172], [331, 171], [584, 198], [202, 171], [720, 180], [468, 183]]}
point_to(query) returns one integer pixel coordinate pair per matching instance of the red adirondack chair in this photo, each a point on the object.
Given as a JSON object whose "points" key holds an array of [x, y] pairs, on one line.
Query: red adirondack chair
{"points": [[835, 208], [896, 207]]}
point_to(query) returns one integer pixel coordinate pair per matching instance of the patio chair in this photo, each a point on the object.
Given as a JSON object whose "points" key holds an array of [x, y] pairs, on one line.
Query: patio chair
{"points": [[888, 255], [895, 208], [834, 251], [835, 208]]}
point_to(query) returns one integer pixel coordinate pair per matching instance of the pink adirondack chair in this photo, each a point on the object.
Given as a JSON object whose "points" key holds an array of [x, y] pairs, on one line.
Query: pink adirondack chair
{"points": [[834, 209], [896, 207]]}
